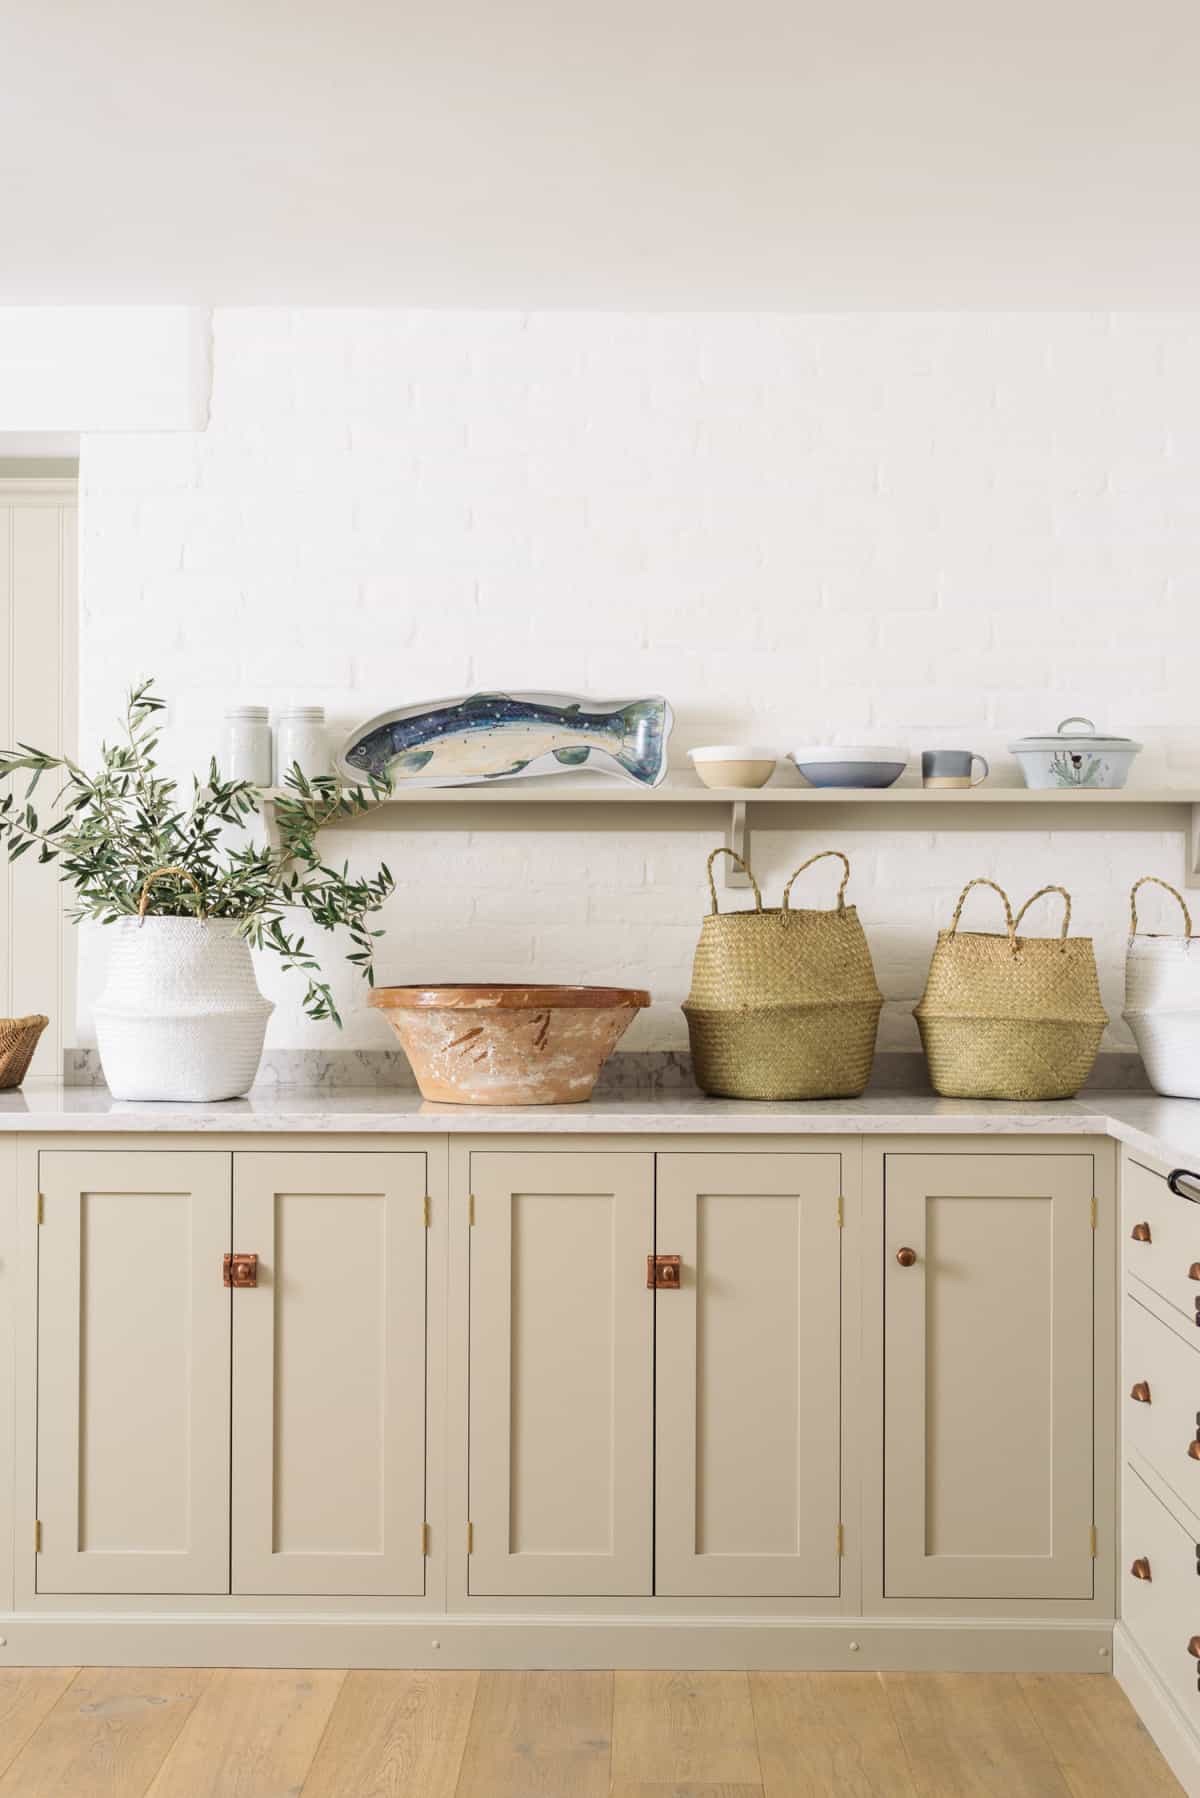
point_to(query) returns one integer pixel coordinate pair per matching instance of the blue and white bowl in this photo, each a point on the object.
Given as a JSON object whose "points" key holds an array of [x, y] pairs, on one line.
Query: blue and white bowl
{"points": [[851, 766]]}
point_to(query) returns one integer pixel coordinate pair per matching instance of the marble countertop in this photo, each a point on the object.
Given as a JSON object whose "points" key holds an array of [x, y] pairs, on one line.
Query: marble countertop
{"points": [[1169, 1128]]}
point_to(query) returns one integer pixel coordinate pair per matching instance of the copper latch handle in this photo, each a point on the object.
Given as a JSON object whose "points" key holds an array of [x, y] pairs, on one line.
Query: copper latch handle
{"points": [[240, 1270], [1141, 1568], [1140, 1233], [664, 1273], [1139, 1392], [906, 1257]]}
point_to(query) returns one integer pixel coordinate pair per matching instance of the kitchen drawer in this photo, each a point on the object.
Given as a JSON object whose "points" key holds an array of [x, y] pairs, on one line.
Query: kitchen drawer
{"points": [[1166, 1261], [1162, 1424], [1162, 1611]]}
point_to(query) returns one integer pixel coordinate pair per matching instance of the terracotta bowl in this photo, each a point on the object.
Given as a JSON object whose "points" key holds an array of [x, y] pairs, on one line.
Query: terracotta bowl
{"points": [[508, 1045]]}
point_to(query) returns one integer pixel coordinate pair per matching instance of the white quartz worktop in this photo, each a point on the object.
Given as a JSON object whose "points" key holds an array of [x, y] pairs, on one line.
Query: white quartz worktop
{"points": [[1166, 1127]]}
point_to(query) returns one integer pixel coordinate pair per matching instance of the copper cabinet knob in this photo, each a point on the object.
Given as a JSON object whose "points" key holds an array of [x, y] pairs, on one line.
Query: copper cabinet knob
{"points": [[1141, 1568], [1140, 1233], [1140, 1392], [1194, 1448], [1194, 1647], [906, 1257], [1194, 1271]]}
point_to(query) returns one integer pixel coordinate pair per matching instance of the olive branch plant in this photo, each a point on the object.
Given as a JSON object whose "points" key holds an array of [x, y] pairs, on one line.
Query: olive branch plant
{"points": [[116, 827]]}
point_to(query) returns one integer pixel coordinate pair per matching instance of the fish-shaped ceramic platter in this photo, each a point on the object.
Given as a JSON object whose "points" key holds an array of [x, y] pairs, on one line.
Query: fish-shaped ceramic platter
{"points": [[509, 736]]}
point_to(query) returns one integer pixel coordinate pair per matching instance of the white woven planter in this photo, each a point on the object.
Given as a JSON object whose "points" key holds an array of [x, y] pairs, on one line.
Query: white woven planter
{"points": [[181, 1016], [1162, 1003]]}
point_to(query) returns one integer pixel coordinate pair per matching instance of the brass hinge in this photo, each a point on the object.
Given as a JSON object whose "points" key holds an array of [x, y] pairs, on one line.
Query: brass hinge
{"points": [[1092, 1541], [841, 1540], [470, 1538], [470, 1207], [41, 1215], [1095, 1210], [841, 1212], [425, 1211], [424, 1538], [37, 1536]]}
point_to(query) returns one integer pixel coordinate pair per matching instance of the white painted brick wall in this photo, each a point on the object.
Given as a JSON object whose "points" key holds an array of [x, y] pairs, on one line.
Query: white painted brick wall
{"points": [[923, 529]]}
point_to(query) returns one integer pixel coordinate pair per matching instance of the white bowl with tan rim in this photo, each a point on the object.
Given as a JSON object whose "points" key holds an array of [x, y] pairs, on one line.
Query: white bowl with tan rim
{"points": [[508, 1045], [733, 765]]}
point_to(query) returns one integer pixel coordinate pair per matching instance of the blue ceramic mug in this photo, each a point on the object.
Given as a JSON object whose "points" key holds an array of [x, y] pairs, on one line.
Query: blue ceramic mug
{"points": [[951, 768]]}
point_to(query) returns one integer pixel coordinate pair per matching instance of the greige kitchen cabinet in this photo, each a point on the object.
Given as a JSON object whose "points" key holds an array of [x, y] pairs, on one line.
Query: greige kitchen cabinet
{"points": [[561, 1371], [748, 1375], [133, 1372], [988, 1372], [329, 1374]]}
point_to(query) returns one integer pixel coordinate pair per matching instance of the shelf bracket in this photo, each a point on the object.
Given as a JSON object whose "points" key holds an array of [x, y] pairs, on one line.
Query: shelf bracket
{"points": [[739, 841], [1192, 870]]}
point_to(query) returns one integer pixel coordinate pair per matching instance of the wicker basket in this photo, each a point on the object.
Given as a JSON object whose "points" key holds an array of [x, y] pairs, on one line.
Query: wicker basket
{"points": [[783, 1004], [1011, 1017], [18, 1040], [1162, 1000]]}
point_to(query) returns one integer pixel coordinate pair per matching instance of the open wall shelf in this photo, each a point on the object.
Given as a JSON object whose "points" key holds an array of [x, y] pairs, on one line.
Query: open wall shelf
{"points": [[742, 807]]}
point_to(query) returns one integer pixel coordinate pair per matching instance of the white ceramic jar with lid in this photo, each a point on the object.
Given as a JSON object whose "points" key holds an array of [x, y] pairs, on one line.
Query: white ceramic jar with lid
{"points": [[247, 745], [301, 740]]}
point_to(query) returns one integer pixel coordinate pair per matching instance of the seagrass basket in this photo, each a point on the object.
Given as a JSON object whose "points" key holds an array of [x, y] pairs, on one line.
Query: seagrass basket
{"points": [[1011, 1017], [18, 1040], [783, 1003], [1162, 999]]}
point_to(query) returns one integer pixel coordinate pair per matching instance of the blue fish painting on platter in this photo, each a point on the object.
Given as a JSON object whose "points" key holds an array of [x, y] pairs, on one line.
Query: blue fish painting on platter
{"points": [[507, 736]]}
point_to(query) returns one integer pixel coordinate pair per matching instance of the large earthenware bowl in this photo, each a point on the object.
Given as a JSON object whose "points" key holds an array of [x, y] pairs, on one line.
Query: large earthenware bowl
{"points": [[508, 1045]]}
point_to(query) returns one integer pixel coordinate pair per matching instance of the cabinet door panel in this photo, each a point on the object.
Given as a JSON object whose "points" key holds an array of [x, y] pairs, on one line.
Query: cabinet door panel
{"points": [[988, 1436], [133, 1373], [329, 1375], [561, 1373], [747, 1375]]}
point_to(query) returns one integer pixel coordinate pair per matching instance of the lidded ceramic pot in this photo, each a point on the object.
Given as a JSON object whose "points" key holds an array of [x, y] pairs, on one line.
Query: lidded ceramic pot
{"points": [[1075, 758]]}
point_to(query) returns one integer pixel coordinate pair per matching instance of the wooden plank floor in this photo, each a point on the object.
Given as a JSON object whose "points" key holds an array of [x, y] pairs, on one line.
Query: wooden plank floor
{"points": [[179, 1733]]}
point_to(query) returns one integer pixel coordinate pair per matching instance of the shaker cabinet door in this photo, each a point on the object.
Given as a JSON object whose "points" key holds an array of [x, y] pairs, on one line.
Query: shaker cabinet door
{"points": [[561, 1370], [133, 1372], [988, 1435], [747, 1376], [329, 1375]]}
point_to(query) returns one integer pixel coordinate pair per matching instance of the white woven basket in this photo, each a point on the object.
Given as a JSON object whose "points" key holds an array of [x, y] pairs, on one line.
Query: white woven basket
{"points": [[1162, 1001], [181, 1016]]}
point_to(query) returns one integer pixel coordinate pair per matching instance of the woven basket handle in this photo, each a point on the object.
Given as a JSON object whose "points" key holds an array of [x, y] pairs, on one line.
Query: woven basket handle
{"points": [[158, 874], [841, 896], [1187, 916], [1008, 917], [1041, 894], [746, 870]]}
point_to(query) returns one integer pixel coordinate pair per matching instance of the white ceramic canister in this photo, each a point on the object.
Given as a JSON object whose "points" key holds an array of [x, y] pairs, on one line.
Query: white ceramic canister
{"points": [[247, 745], [301, 739], [1162, 1001], [181, 1016]]}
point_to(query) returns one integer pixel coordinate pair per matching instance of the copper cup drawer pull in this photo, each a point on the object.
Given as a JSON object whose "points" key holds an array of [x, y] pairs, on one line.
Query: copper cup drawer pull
{"points": [[1194, 1648], [1139, 1392], [1141, 1233], [1194, 1448], [1194, 1271], [663, 1273], [1141, 1569], [240, 1270], [906, 1257]]}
